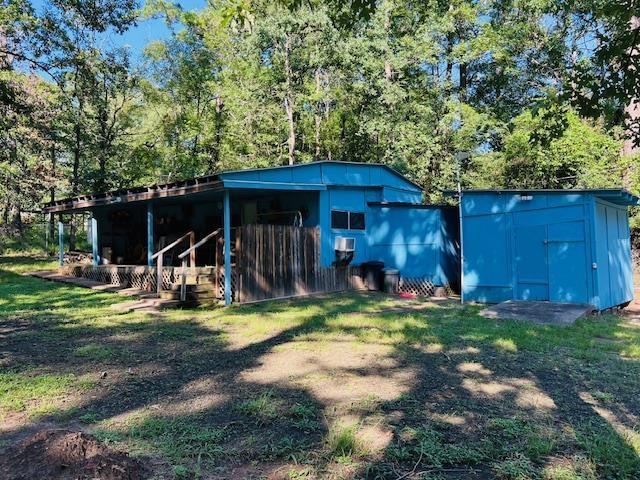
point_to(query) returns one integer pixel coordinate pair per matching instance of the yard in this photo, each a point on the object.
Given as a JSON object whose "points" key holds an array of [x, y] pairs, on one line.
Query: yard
{"points": [[342, 386]]}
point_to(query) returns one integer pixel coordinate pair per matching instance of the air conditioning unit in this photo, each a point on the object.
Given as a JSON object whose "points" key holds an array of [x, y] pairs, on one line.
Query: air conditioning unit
{"points": [[344, 248]]}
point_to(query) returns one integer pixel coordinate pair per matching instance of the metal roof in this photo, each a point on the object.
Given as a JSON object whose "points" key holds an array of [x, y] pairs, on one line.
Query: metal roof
{"points": [[618, 196], [193, 185]]}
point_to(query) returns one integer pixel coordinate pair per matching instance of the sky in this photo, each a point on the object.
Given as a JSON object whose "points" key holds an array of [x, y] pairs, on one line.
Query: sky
{"points": [[142, 34], [149, 30]]}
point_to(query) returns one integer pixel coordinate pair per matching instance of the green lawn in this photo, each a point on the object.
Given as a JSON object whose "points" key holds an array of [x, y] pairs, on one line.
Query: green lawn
{"points": [[343, 386]]}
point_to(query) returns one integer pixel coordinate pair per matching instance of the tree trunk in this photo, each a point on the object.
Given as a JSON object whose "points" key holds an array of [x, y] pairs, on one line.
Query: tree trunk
{"points": [[289, 101], [75, 175], [318, 116], [631, 144], [52, 189], [463, 82], [215, 157], [101, 184]]}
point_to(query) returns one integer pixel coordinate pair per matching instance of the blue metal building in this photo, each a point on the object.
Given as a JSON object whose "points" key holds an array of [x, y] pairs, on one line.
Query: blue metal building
{"points": [[373, 204], [555, 245]]}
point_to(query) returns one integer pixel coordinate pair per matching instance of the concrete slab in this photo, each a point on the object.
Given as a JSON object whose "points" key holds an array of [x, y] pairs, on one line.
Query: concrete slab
{"points": [[543, 313]]}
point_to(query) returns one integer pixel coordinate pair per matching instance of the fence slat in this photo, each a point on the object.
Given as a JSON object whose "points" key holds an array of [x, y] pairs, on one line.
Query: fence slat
{"points": [[275, 261]]}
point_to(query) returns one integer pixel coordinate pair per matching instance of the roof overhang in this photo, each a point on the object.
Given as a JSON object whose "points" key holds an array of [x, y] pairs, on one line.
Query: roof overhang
{"points": [[617, 196], [228, 180], [139, 194]]}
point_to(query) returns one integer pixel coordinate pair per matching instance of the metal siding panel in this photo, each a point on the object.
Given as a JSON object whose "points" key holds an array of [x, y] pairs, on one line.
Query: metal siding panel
{"points": [[568, 275], [487, 266], [390, 194], [408, 239], [373, 195], [616, 278], [333, 173], [357, 175], [348, 199], [532, 271], [590, 248], [549, 216], [276, 175], [568, 232], [537, 202], [376, 175], [625, 255], [602, 248], [482, 204], [557, 200], [311, 173]]}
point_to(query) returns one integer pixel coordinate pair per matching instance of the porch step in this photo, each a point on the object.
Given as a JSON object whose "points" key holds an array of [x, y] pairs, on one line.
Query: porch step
{"points": [[190, 296], [145, 305], [196, 288], [199, 279]]}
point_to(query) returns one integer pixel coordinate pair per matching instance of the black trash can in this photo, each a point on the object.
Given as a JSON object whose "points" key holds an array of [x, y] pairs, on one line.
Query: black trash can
{"points": [[391, 280], [372, 275]]}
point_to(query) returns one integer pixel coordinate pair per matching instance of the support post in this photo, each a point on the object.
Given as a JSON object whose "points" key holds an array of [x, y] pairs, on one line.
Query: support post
{"points": [[227, 249], [192, 254], [159, 274], [326, 248], [183, 281], [61, 243], [150, 234], [94, 241]]}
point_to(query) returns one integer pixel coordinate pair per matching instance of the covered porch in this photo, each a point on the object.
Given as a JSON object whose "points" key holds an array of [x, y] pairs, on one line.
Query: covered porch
{"points": [[183, 240]]}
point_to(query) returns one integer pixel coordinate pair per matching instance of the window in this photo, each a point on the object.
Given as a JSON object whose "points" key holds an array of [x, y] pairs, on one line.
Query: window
{"points": [[339, 219], [347, 220], [356, 221]]}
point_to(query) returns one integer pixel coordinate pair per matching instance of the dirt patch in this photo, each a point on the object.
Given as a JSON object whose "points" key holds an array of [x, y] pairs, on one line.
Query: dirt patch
{"points": [[62, 454]]}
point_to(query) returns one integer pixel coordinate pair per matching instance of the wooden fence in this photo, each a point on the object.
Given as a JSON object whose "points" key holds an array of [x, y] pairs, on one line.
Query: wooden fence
{"points": [[275, 261]]}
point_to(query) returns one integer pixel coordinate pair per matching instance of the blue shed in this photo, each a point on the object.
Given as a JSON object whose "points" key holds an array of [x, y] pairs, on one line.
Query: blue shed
{"points": [[550, 245]]}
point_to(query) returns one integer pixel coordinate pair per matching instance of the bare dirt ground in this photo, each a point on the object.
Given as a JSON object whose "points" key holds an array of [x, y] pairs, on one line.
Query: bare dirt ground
{"points": [[68, 455]]}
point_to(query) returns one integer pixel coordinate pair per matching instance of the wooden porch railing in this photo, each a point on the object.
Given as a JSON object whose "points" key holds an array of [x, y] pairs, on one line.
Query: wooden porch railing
{"points": [[192, 251], [160, 255]]}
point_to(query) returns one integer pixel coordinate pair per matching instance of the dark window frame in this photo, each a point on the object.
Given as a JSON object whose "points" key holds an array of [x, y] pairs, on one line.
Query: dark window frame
{"points": [[334, 222], [362, 225]]}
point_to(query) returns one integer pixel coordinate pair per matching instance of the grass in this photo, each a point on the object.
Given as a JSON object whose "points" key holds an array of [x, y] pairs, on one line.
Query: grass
{"points": [[94, 352], [518, 467], [343, 442], [18, 389], [263, 408], [342, 386]]}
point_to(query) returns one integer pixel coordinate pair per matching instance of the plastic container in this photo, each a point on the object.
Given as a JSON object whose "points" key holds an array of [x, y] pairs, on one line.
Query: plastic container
{"points": [[372, 275], [391, 280]]}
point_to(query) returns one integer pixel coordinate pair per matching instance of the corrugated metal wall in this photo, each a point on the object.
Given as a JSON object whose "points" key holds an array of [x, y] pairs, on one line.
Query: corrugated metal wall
{"points": [[562, 247]]}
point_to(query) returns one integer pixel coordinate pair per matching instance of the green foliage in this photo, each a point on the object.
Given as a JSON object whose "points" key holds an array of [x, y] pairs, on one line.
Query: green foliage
{"points": [[518, 467]]}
